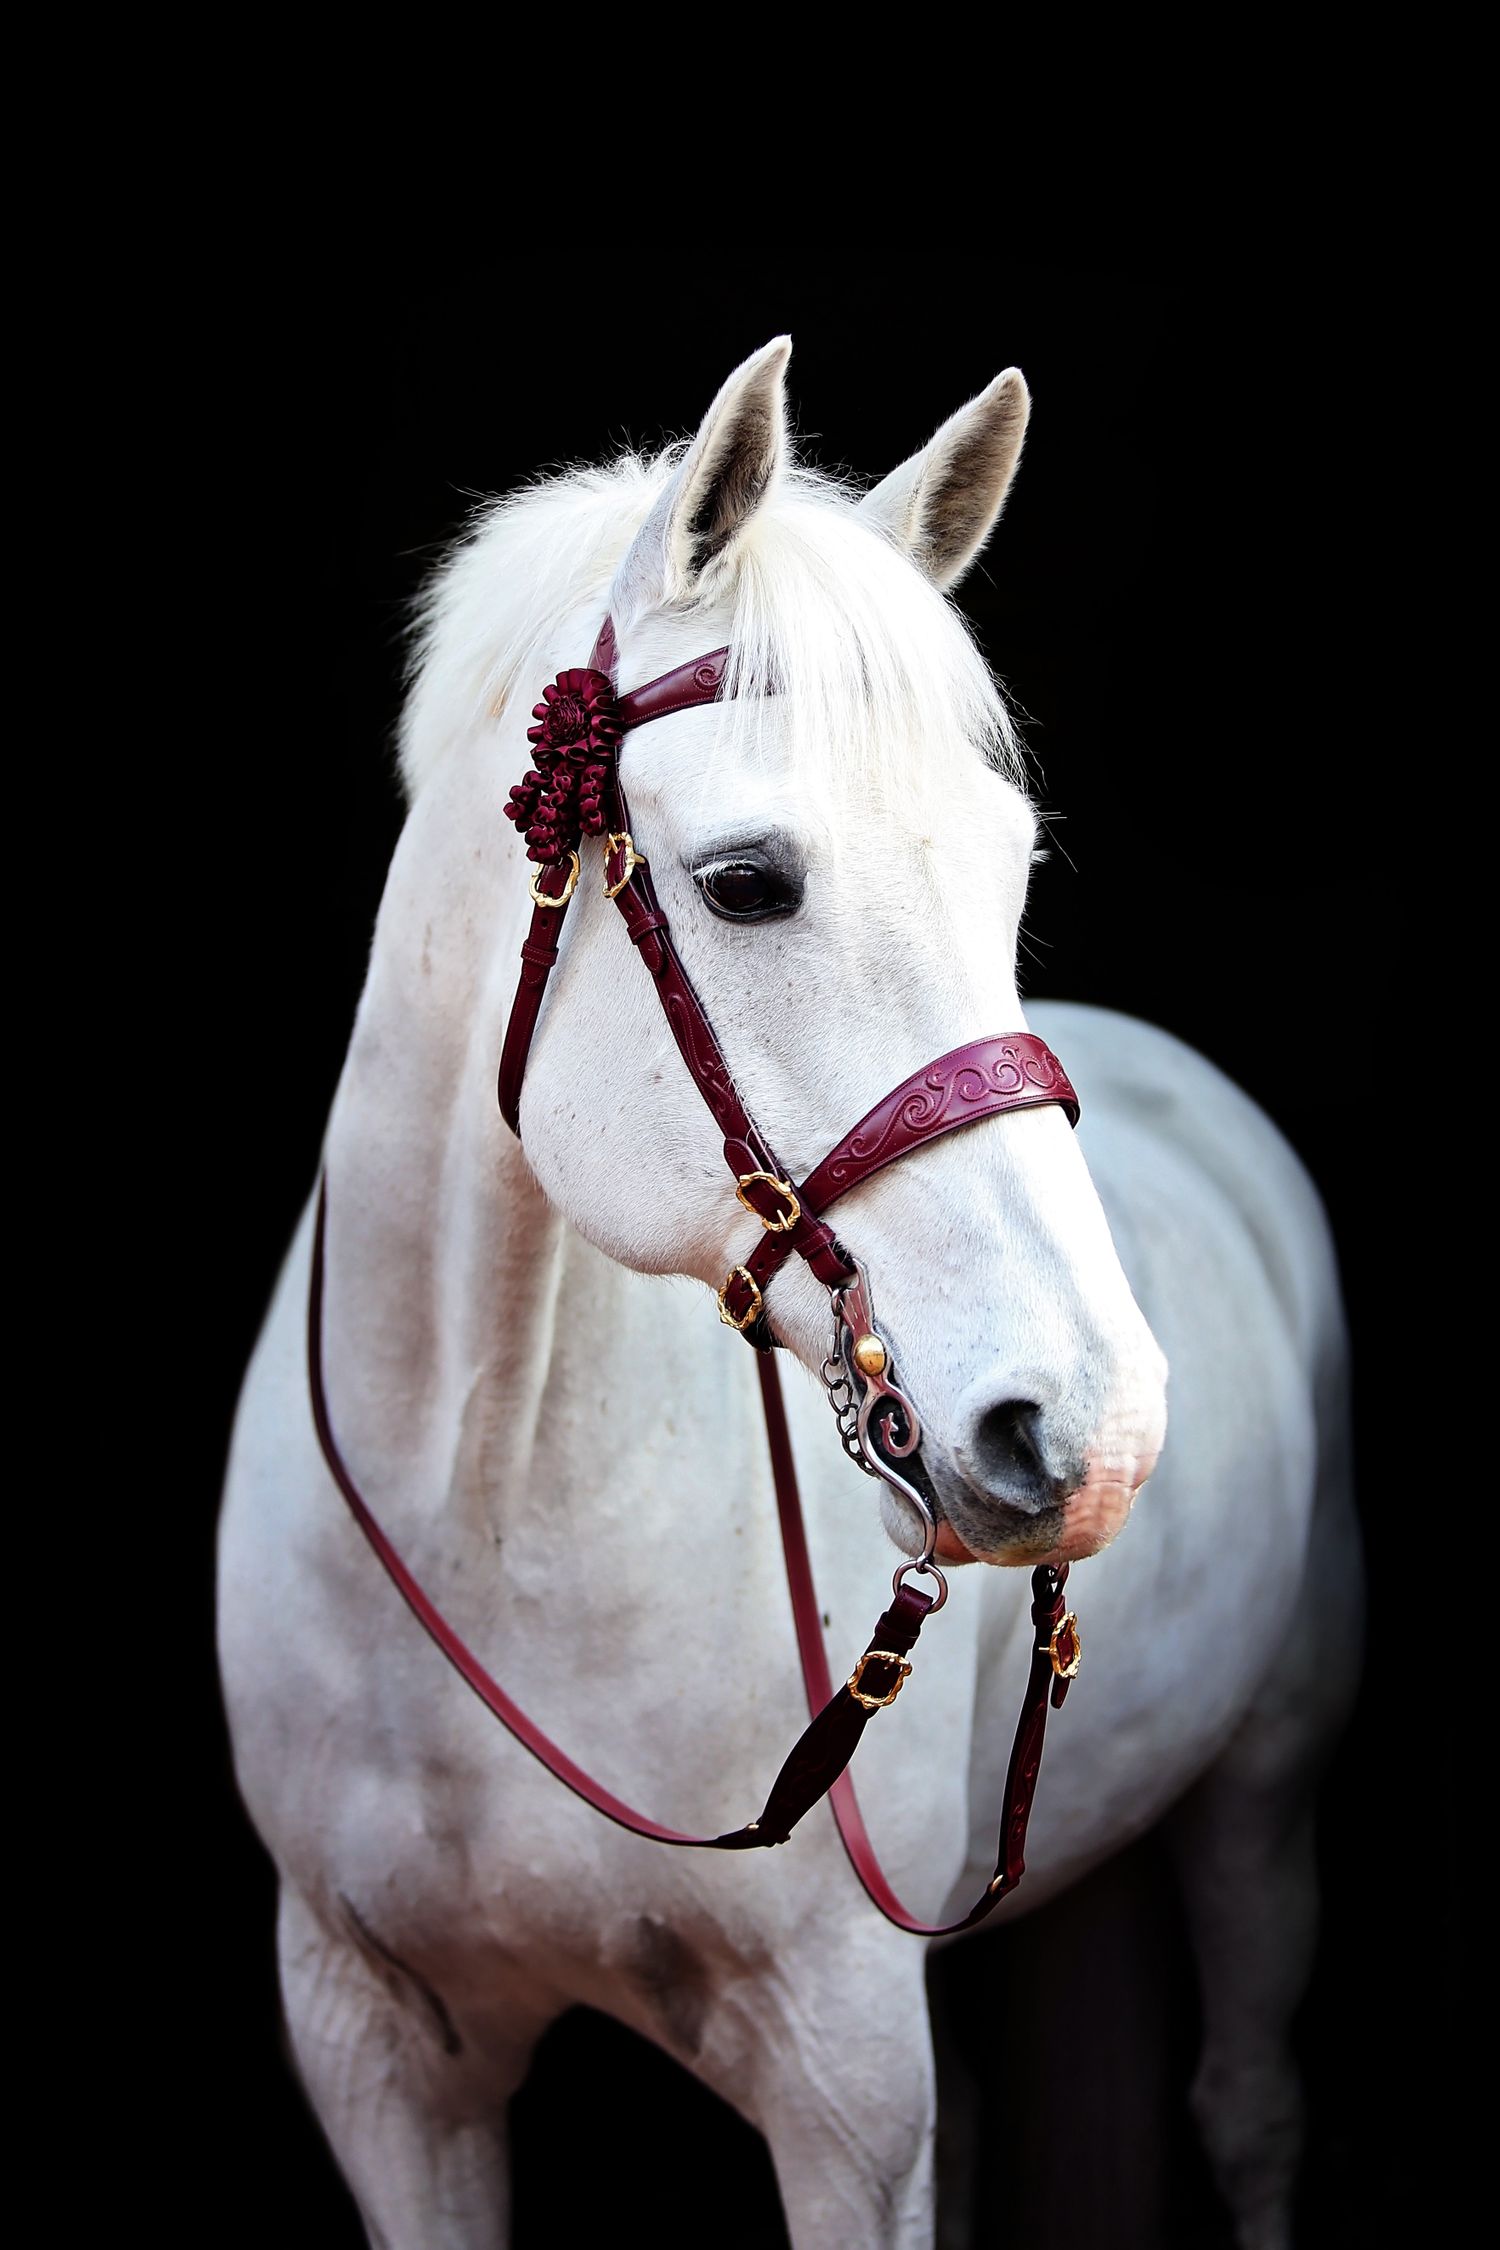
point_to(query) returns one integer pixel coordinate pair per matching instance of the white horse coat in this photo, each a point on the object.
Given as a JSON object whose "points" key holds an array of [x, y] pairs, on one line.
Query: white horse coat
{"points": [[566, 1447]]}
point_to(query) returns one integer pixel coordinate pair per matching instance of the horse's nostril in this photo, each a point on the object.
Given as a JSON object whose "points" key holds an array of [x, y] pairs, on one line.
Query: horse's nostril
{"points": [[1006, 1454]]}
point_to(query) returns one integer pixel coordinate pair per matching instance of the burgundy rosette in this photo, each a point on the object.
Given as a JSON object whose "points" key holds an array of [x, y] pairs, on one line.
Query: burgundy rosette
{"points": [[561, 800]]}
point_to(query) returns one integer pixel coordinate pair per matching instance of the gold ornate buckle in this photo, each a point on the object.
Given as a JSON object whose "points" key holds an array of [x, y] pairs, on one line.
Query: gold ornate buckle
{"points": [[782, 1188], [756, 1300], [1064, 1665], [545, 898], [620, 841], [878, 1656]]}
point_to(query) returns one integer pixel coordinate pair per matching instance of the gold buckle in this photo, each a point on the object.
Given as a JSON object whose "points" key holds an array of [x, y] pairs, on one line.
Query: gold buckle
{"points": [[878, 1656], [545, 898], [756, 1300], [612, 844], [1068, 1624], [782, 1188]]}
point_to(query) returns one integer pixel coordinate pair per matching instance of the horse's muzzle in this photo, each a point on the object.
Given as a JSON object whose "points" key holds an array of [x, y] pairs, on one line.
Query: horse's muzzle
{"points": [[1002, 1500]]}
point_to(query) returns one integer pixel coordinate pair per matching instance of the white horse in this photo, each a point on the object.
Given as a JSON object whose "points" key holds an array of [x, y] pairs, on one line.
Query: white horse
{"points": [[567, 1449]]}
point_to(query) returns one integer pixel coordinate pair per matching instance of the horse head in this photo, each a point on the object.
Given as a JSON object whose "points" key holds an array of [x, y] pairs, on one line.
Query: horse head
{"points": [[841, 845]]}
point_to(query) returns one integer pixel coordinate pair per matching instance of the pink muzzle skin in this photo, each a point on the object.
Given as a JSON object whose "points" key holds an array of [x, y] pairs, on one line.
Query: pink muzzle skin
{"points": [[1090, 1518]]}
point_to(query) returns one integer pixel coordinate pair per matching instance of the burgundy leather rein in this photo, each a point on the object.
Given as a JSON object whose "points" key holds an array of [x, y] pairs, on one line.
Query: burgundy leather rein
{"points": [[574, 791]]}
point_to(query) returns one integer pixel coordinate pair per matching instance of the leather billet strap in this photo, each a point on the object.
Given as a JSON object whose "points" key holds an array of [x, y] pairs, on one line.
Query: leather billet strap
{"points": [[816, 1766], [538, 960]]}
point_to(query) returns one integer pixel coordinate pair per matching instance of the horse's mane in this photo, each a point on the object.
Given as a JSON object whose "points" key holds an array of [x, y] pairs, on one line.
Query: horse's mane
{"points": [[889, 691]]}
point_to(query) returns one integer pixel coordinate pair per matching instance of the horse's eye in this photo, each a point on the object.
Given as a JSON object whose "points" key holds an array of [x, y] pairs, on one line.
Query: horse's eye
{"points": [[742, 891]]}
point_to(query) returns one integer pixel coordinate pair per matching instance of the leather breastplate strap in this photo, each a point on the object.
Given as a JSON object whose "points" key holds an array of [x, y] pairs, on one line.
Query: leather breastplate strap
{"points": [[815, 1767]]}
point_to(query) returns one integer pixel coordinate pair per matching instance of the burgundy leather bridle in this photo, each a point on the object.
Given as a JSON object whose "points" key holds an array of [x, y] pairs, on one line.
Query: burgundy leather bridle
{"points": [[576, 792]]}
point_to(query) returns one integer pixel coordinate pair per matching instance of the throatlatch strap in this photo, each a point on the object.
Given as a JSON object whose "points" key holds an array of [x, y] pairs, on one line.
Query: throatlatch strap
{"points": [[815, 1767]]}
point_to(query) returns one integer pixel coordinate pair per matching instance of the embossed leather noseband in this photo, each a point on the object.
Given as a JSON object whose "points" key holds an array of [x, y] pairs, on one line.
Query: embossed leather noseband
{"points": [[575, 791]]}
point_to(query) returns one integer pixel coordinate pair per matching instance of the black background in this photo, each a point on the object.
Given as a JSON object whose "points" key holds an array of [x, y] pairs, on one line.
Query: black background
{"points": [[1171, 599]]}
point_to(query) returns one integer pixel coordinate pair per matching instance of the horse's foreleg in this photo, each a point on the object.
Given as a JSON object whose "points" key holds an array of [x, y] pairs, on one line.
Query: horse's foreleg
{"points": [[415, 2118], [960, 2126], [842, 2085], [1245, 1861], [1242, 1841]]}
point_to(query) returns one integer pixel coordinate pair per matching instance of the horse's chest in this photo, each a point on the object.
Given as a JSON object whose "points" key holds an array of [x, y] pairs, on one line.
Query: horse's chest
{"points": [[503, 1894]]}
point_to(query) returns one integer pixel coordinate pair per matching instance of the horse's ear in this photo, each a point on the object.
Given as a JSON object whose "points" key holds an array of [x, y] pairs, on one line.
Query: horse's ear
{"points": [[942, 504], [724, 475]]}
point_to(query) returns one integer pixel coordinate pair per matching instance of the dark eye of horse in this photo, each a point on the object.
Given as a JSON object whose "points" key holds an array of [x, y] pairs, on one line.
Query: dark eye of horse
{"points": [[743, 891]]}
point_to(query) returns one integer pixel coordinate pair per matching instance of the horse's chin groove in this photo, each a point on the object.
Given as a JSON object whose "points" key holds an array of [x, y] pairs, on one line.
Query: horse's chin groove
{"points": [[1013, 1539], [976, 1527], [950, 1549]]}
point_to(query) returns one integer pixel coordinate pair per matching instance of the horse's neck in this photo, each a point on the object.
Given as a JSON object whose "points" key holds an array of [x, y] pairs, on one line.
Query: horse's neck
{"points": [[481, 1355]]}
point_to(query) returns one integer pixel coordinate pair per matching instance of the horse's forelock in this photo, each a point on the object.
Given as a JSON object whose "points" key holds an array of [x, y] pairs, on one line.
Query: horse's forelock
{"points": [[888, 693]]}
